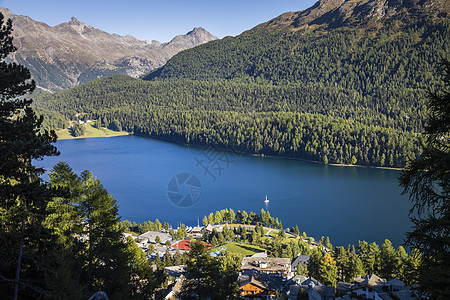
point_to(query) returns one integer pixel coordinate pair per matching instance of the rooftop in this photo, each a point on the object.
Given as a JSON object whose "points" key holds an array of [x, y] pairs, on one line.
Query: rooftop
{"points": [[151, 236], [260, 279], [266, 264]]}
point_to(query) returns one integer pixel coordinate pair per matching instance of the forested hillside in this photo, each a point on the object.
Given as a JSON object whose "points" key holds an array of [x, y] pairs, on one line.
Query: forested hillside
{"points": [[252, 118], [338, 83]]}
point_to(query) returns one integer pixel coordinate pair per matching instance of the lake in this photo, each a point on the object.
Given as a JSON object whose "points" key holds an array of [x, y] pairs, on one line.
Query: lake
{"points": [[176, 183]]}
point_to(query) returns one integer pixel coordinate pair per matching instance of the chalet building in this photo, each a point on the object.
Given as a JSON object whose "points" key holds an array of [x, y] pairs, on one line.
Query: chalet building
{"points": [[309, 287], [254, 284], [369, 280], [174, 289], [175, 271], [268, 265], [197, 231], [391, 290], [301, 259], [374, 287], [209, 229], [150, 236]]}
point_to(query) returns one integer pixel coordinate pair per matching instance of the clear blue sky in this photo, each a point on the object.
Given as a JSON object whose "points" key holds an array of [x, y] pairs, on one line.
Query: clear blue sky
{"points": [[158, 20]]}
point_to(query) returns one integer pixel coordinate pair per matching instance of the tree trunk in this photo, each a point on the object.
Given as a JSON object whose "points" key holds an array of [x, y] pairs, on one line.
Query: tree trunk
{"points": [[19, 263]]}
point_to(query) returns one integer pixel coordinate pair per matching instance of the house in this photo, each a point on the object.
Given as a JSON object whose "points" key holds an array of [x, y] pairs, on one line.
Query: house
{"points": [[301, 259], [310, 287], [268, 265], [343, 288], [175, 271], [254, 284], [260, 254], [197, 231], [152, 235], [209, 229], [369, 280], [174, 289], [374, 287], [394, 289]]}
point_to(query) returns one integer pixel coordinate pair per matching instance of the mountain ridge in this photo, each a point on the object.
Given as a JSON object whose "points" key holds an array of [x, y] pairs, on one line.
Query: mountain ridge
{"points": [[335, 13], [74, 52], [341, 27]]}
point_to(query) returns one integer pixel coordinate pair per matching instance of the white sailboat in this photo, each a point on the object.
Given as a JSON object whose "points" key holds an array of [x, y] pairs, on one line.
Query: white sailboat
{"points": [[266, 200]]}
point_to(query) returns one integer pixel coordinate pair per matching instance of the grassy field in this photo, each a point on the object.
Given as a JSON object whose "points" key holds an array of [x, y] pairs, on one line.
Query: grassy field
{"points": [[90, 132], [269, 233], [243, 249]]}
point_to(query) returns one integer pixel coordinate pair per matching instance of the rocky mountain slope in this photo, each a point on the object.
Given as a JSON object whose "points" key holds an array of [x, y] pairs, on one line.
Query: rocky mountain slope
{"points": [[352, 13], [72, 53], [326, 41]]}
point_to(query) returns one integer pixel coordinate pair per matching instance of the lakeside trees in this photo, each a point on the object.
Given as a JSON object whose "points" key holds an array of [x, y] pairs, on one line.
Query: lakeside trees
{"points": [[324, 124]]}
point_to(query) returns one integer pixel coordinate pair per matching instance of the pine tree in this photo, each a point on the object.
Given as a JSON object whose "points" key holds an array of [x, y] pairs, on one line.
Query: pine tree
{"points": [[296, 231], [207, 277], [388, 260], [142, 283], [427, 181], [85, 219], [342, 263], [22, 196], [314, 263]]}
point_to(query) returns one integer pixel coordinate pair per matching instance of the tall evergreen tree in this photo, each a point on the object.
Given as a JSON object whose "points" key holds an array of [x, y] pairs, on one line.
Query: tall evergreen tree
{"points": [[85, 220], [427, 181], [209, 278], [388, 261], [22, 195]]}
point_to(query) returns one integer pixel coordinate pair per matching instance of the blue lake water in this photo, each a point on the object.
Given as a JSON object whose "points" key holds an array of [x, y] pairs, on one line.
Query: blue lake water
{"points": [[346, 203]]}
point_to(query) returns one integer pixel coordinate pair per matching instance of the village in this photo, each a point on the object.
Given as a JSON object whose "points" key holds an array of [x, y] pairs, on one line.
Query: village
{"points": [[262, 275]]}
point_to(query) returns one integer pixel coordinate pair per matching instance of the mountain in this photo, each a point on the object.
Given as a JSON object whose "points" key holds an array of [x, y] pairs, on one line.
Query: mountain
{"points": [[72, 53], [326, 43], [342, 82]]}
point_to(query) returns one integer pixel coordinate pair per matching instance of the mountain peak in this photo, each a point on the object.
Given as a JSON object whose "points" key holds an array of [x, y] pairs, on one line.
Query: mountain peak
{"points": [[74, 52], [197, 30], [196, 36], [75, 22]]}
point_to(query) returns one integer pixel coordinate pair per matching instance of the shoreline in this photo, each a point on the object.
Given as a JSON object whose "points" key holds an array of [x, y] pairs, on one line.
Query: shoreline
{"points": [[125, 133], [90, 137], [271, 156], [91, 132]]}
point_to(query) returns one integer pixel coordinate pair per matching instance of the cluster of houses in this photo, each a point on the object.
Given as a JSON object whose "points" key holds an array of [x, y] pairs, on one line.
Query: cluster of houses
{"points": [[265, 277], [158, 240]]}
